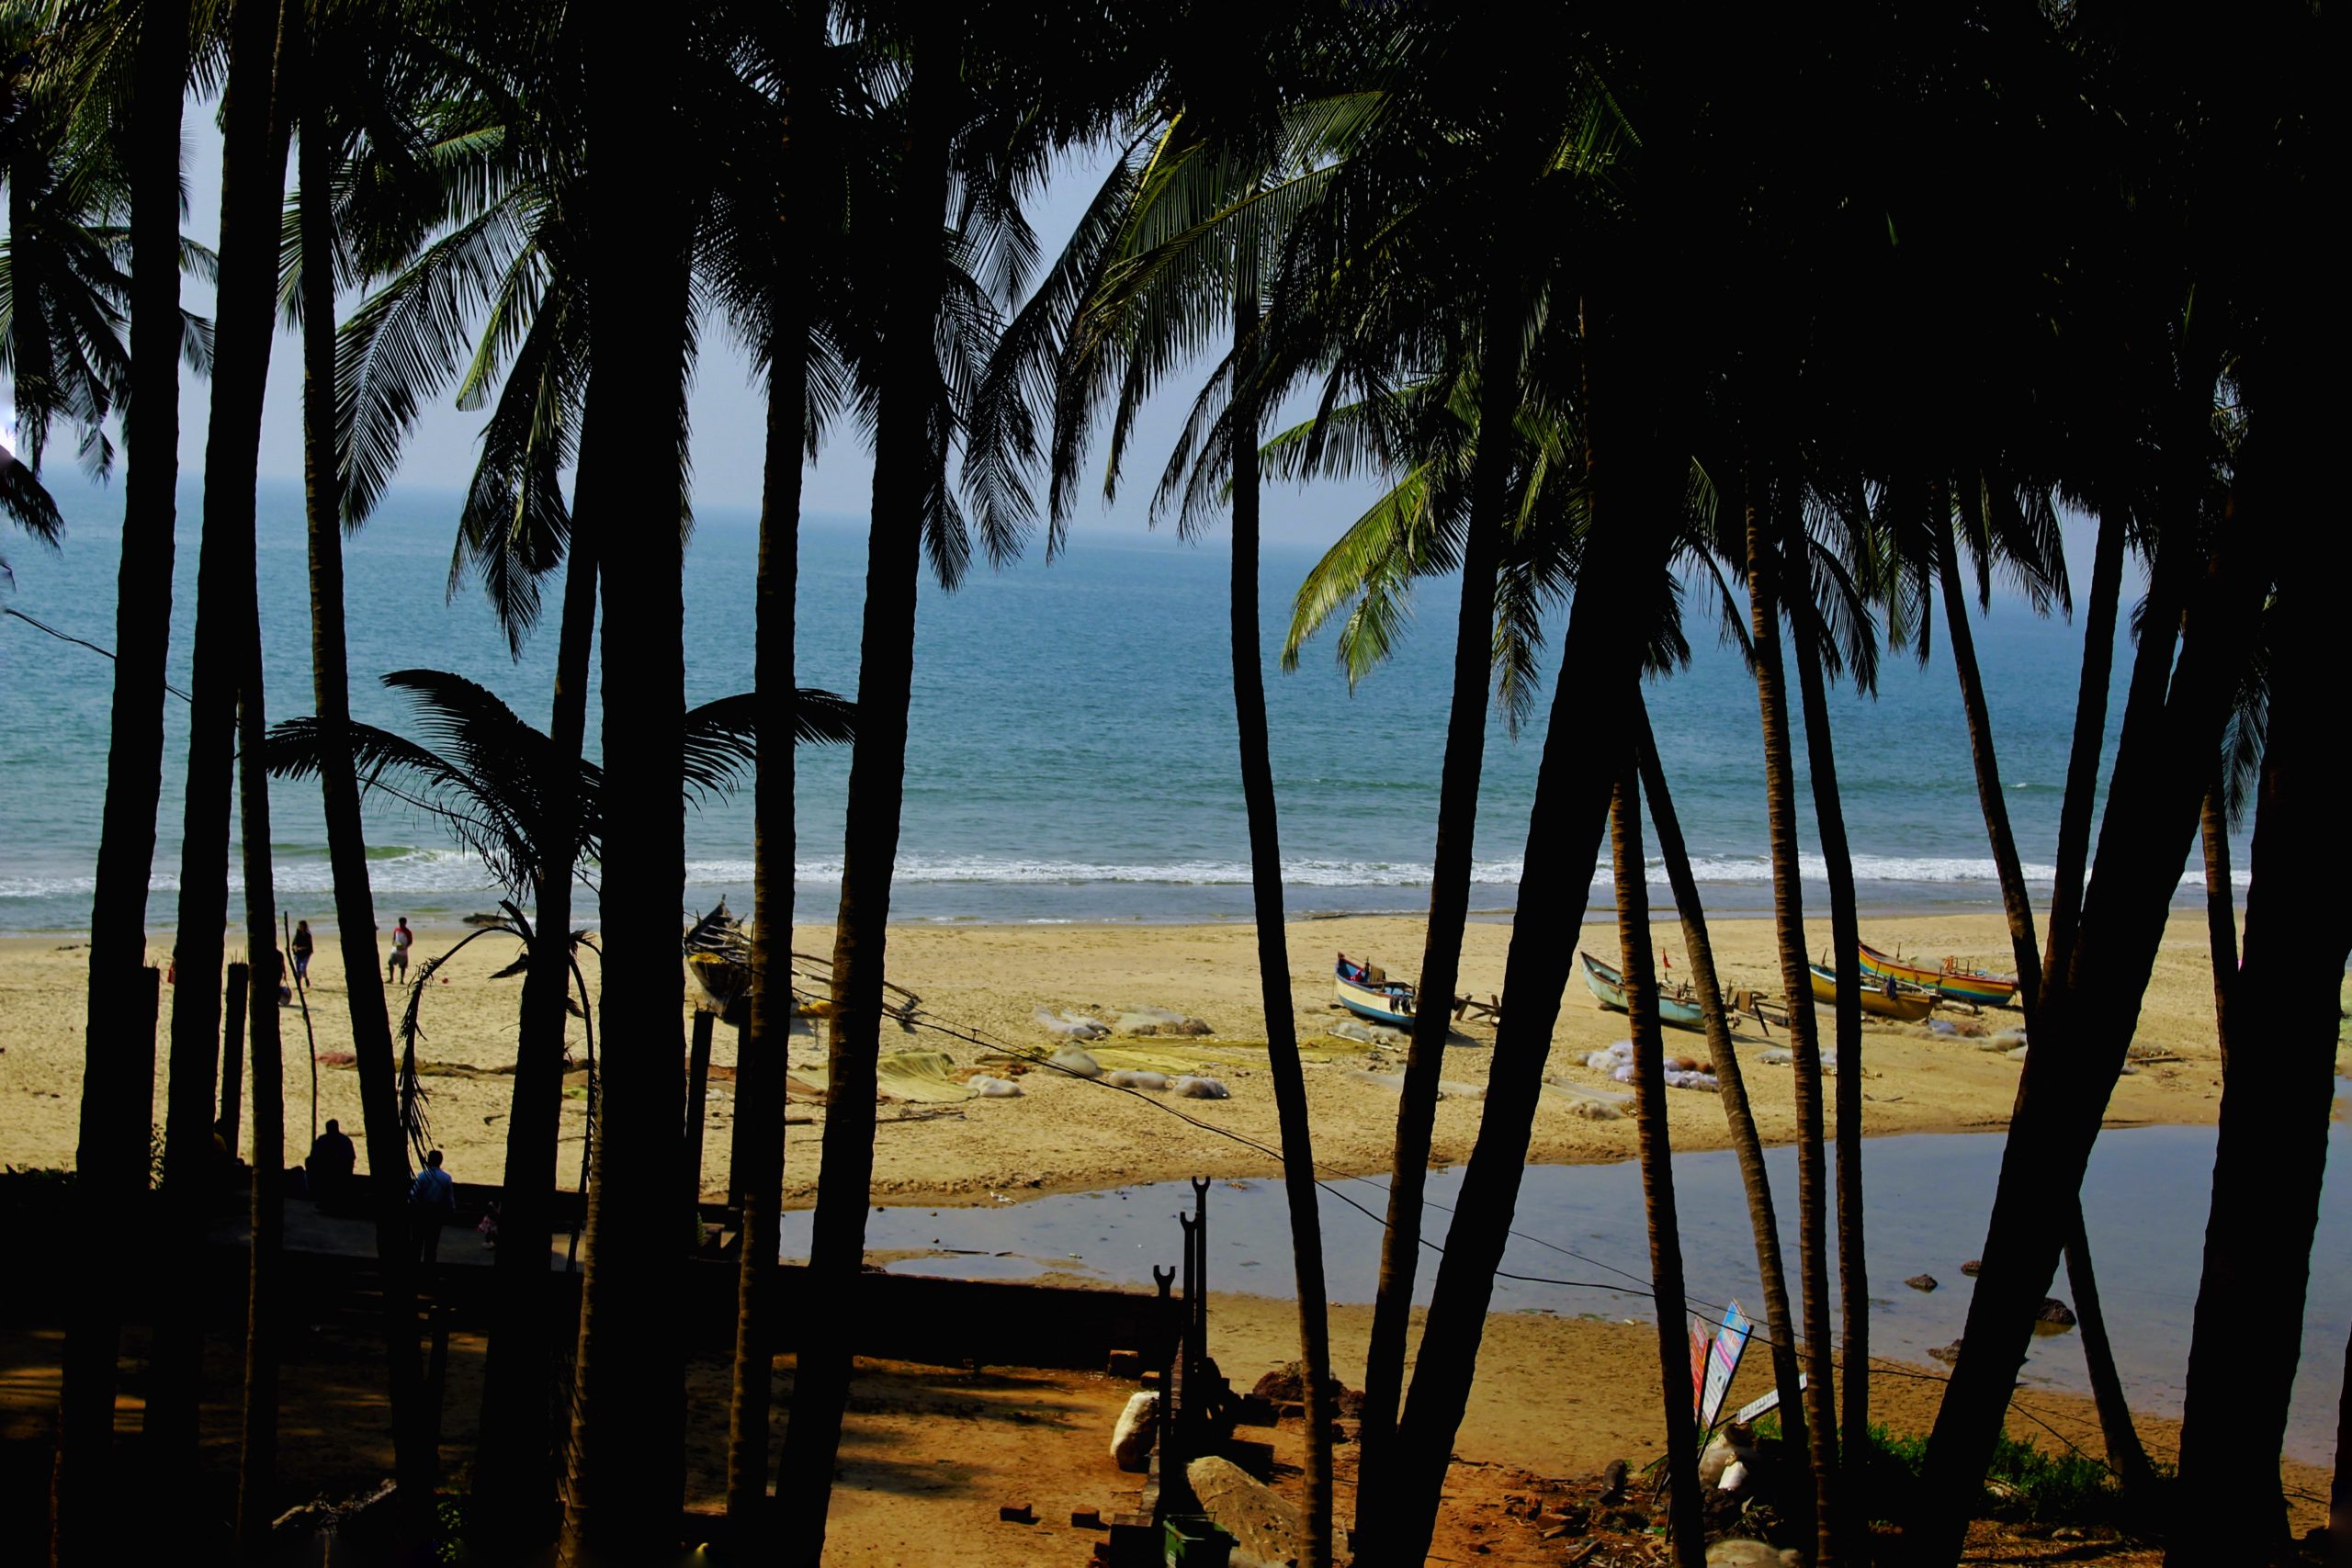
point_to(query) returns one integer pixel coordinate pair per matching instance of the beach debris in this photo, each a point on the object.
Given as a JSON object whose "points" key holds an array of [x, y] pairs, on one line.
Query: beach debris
{"points": [[1192, 1087], [1126, 1078], [1072, 1025], [1735, 1477], [1262, 1524], [1703, 1082], [1612, 1483], [987, 1088], [2018, 1054], [2054, 1313], [1942, 1026], [1726, 1449], [1019, 1513], [1972, 1268], [1131, 1440], [1087, 1519], [926, 1078], [1073, 1059], [1592, 1104], [1148, 1022], [1745, 1551], [1922, 1283], [1947, 1354], [1368, 1033]]}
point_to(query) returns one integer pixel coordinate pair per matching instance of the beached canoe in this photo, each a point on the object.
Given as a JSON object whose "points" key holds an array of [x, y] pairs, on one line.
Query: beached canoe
{"points": [[1904, 1004], [1609, 990], [1951, 980], [1365, 991]]}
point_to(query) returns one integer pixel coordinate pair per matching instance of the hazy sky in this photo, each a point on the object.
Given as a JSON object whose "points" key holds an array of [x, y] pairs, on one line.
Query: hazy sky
{"points": [[727, 412]]}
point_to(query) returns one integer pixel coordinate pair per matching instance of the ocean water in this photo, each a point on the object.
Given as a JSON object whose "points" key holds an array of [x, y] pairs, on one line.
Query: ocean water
{"points": [[1073, 753]]}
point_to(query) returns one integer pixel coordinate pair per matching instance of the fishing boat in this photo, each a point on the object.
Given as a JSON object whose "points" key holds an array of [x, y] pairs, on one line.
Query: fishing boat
{"points": [[1365, 991], [1609, 989], [1886, 999], [1951, 980]]}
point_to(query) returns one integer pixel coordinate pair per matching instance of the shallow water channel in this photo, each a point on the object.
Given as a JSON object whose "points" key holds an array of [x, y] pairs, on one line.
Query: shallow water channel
{"points": [[1581, 1232]]}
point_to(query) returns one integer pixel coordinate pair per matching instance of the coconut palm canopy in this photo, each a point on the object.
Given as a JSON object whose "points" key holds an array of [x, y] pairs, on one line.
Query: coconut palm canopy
{"points": [[483, 772]]}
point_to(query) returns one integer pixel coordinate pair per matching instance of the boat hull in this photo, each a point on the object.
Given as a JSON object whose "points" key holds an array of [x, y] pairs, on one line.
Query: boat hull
{"points": [[1608, 988], [1984, 990], [1903, 1006], [1380, 1001]]}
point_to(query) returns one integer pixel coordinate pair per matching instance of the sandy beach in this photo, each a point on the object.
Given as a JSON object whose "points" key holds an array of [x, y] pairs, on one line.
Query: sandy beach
{"points": [[1061, 1134]]}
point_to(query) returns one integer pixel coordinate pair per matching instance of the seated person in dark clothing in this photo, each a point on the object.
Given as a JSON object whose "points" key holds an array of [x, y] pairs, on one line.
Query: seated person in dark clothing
{"points": [[330, 1166]]}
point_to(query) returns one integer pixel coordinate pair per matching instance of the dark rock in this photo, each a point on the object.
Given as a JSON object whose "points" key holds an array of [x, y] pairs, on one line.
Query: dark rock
{"points": [[1612, 1483], [1016, 1512], [1972, 1268], [2056, 1313], [1921, 1281], [1287, 1385], [1947, 1354]]}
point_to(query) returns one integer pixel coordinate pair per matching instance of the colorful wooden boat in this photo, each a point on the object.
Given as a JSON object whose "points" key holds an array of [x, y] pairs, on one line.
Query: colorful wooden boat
{"points": [[1951, 980], [1609, 989], [1884, 998], [1366, 991]]}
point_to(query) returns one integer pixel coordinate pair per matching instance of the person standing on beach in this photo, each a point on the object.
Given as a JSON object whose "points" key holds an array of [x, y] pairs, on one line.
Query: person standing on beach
{"points": [[333, 1159], [301, 950], [396, 966], [433, 1200]]}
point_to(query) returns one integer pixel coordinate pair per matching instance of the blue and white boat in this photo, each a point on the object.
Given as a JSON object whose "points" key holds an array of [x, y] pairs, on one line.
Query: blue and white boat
{"points": [[1365, 991]]}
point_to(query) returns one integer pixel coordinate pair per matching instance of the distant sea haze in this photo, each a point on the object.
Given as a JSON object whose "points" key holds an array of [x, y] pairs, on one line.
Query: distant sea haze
{"points": [[1071, 753]]}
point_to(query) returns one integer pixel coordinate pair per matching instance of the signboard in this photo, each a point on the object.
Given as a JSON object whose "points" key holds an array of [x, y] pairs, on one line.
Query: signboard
{"points": [[1711, 1378], [1761, 1403]]}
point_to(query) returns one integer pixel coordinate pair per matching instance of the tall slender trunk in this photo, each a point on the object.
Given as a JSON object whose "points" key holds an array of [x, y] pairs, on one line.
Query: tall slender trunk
{"points": [[1573, 786], [2116, 1428], [117, 1079], [2339, 1492], [354, 903], [624, 1483], [1457, 823], [1845, 941], [2090, 734], [1274, 959], [516, 1461], [251, 189], [254, 299], [2271, 1156], [1684, 1523], [906, 462], [1745, 1142], [1804, 1039], [2220, 913], [758, 1089], [2091, 1007]]}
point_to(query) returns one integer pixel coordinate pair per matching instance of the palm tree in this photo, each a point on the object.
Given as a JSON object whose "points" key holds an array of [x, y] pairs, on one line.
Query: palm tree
{"points": [[252, 182], [967, 112], [116, 1099], [1658, 1161]]}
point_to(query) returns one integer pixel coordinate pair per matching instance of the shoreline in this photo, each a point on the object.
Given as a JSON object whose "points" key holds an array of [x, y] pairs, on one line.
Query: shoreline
{"points": [[991, 979]]}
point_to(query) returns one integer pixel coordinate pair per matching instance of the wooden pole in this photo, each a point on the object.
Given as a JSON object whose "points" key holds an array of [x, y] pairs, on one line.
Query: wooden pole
{"points": [[697, 1096], [232, 1053]]}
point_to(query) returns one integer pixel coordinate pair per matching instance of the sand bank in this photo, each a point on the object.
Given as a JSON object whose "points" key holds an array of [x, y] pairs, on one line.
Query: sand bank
{"points": [[1064, 1134]]}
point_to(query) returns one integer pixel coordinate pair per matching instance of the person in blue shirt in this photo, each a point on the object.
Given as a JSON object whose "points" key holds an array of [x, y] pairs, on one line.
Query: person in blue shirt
{"points": [[433, 1200]]}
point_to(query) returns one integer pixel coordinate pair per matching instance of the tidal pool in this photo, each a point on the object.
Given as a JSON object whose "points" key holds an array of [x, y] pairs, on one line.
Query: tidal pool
{"points": [[1582, 1247]]}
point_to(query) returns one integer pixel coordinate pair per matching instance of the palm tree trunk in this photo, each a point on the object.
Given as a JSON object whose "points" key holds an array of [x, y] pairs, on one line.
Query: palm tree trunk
{"points": [[1745, 1142], [2123, 1439], [250, 186], [759, 1088], [2339, 1492], [1805, 1040], [2272, 1154], [2090, 734], [117, 1098], [1845, 939], [257, 1446], [1684, 1523], [354, 904], [2220, 913], [1573, 786], [1274, 960], [516, 1458], [906, 462], [626, 1479], [1457, 823], [2090, 1006]]}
